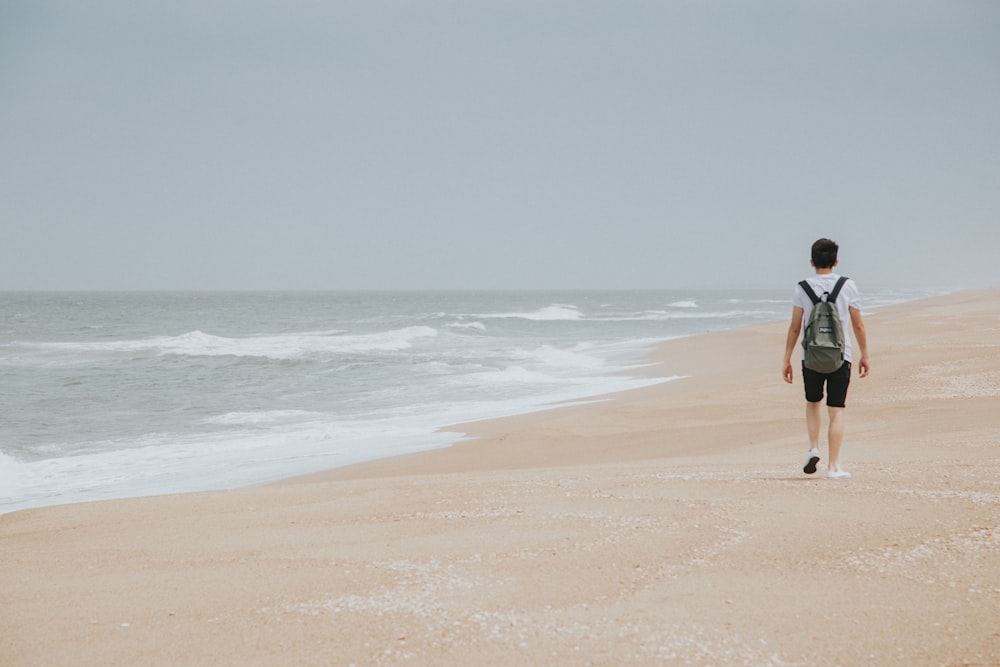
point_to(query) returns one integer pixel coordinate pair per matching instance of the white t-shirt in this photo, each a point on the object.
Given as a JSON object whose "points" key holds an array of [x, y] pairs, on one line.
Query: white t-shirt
{"points": [[848, 298]]}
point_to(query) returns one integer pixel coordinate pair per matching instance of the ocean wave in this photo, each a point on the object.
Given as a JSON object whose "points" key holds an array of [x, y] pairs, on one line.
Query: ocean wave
{"points": [[475, 326], [554, 312], [666, 315], [511, 375], [554, 357], [774, 301], [279, 347], [264, 417]]}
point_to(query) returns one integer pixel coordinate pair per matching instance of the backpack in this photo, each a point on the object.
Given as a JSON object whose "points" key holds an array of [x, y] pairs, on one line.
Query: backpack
{"points": [[823, 342]]}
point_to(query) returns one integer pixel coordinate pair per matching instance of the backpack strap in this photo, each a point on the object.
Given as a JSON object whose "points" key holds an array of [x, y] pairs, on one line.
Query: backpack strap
{"points": [[809, 291], [831, 296], [836, 289]]}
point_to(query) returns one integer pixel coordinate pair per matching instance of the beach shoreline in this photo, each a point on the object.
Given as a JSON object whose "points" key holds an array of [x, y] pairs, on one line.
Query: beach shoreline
{"points": [[669, 524]]}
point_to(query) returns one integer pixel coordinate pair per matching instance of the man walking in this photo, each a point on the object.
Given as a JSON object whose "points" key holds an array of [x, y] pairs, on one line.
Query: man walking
{"points": [[848, 307]]}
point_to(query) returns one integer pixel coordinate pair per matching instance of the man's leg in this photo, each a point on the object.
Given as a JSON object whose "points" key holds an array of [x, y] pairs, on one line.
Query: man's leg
{"points": [[813, 383], [836, 435], [813, 417], [836, 385]]}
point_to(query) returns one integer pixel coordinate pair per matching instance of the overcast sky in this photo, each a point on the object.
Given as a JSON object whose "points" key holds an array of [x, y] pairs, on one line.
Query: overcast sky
{"points": [[240, 144]]}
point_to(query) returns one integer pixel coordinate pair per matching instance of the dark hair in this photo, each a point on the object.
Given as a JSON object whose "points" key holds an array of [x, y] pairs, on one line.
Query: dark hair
{"points": [[824, 254]]}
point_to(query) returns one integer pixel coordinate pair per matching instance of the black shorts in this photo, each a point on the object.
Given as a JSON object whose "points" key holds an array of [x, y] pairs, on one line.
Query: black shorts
{"points": [[836, 385]]}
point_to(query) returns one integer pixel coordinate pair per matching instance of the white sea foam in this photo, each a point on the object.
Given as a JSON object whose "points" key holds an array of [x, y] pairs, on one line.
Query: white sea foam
{"points": [[554, 357], [258, 418], [771, 301], [10, 474], [683, 304], [555, 312], [688, 314], [511, 375], [205, 462], [475, 326], [284, 346]]}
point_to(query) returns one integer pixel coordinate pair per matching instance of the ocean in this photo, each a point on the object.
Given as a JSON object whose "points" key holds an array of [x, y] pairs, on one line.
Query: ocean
{"points": [[111, 395]]}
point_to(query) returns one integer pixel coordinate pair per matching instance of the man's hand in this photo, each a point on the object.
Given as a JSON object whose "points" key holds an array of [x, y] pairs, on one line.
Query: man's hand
{"points": [[794, 329], [863, 367]]}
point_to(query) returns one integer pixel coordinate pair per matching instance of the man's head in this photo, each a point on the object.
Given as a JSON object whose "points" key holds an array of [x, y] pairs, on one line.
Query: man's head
{"points": [[824, 254]]}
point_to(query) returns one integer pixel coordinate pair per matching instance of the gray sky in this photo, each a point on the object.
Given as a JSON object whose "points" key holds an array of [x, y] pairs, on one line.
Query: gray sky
{"points": [[240, 144]]}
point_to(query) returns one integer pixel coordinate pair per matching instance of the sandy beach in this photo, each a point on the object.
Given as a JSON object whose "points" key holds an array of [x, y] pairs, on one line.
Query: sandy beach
{"points": [[670, 525]]}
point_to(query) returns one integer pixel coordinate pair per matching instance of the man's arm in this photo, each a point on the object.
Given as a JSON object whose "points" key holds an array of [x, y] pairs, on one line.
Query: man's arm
{"points": [[858, 324], [794, 329]]}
